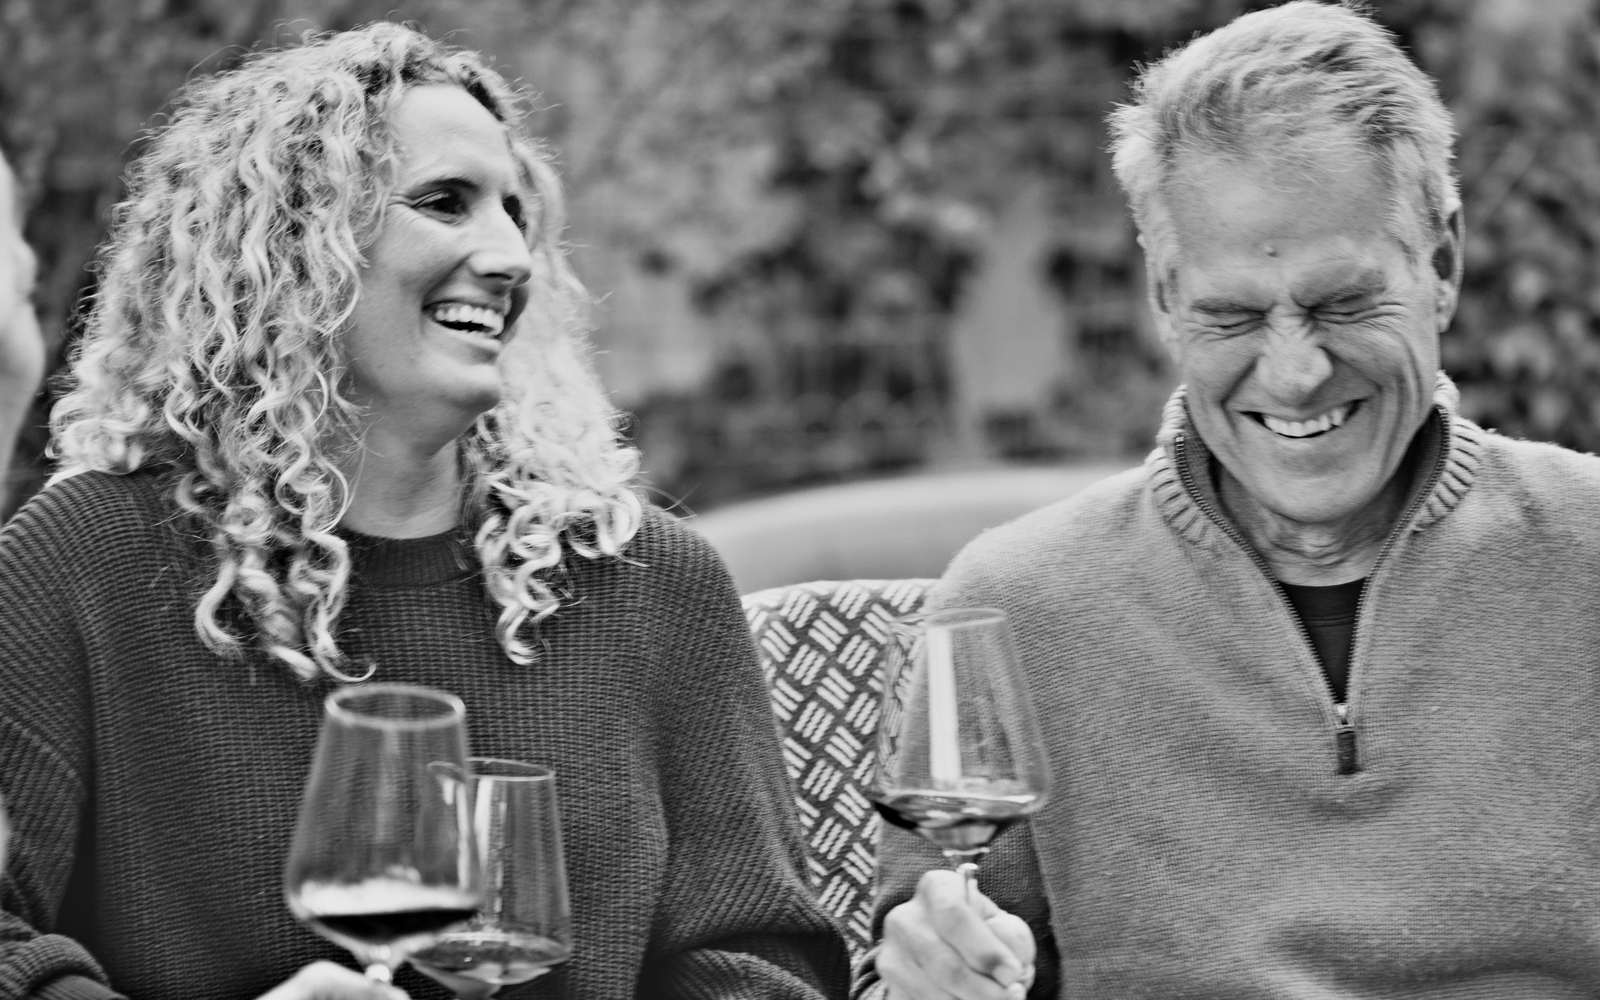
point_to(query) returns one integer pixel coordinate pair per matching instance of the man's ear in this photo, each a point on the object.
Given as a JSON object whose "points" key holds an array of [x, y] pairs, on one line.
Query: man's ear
{"points": [[1446, 261], [1158, 287]]}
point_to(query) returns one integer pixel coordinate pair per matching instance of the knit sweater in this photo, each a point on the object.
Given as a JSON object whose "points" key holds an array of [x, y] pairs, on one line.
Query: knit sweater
{"points": [[154, 786], [1216, 831]]}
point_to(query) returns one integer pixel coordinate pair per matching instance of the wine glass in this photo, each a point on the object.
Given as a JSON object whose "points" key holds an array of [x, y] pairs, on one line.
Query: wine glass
{"points": [[383, 856], [524, 927], [960, 755]]}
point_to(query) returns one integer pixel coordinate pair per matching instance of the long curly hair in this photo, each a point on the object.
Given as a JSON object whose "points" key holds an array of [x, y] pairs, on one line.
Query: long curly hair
{"points": [[213, 348]]}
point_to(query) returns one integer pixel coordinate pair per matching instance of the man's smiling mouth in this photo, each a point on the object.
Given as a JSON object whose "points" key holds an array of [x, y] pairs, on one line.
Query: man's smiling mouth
{"points": [[1322, 423]]}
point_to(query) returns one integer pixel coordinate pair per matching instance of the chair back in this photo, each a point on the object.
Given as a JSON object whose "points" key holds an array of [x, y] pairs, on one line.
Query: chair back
{"points": [[899, 526], [821, 647]]}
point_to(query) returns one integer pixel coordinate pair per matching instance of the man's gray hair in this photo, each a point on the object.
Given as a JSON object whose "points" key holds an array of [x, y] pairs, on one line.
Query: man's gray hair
{"points": [[1305, 82]]}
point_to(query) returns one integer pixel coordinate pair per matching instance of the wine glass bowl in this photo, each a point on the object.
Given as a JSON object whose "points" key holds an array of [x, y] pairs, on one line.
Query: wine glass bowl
{"points": [[960, 756], [383, 856], [524, 927]]}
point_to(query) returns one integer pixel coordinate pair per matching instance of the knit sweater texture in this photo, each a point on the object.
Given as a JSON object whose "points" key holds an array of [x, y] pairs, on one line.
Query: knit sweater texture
{"points": [[153, 786], [1204, 838]]}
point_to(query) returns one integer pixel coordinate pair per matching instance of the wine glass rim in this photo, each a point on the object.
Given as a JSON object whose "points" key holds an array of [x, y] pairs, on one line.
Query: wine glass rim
{"points": [[454, 709], [507, 769]]}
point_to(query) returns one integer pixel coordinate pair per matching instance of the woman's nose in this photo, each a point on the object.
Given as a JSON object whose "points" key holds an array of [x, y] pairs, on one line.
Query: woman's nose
{"points": [[502, 252]]}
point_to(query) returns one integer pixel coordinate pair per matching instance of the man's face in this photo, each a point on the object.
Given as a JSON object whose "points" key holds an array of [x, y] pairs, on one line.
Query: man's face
{"points": [[1307, 338]]}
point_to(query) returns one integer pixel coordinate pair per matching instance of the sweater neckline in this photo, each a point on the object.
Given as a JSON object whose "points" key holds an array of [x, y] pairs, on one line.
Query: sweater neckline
{"points": [[410, 562], [1461, 439]]}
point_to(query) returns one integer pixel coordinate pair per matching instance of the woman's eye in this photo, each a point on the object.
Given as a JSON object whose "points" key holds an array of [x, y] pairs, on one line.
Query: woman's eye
{"points": [[444, 203], [519, 216]]}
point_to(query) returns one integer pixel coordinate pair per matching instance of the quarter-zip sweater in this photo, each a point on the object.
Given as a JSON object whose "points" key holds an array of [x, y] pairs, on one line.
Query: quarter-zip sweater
{"points": [[1216, 831], [153, 786]]}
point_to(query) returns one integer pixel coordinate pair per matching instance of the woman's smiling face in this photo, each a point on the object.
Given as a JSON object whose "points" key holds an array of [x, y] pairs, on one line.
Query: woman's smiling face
{"points": [[1307, 336], [446, 275]]}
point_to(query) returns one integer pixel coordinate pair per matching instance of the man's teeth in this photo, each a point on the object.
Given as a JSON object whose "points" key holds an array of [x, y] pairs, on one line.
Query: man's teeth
{"points": [[459, 315], [1306, 428]]}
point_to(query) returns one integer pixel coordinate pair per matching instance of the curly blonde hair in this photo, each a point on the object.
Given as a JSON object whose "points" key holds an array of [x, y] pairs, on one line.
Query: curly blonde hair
{"points": [[213, 348]]}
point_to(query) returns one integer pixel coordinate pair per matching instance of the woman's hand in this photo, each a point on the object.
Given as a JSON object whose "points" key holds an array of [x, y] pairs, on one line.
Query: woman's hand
{"points": [[938, 944], [328, 981]]}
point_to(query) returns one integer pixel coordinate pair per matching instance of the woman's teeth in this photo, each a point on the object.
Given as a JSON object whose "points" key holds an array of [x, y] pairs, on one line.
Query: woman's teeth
{"points": [[1307, 428], [472, 319]]}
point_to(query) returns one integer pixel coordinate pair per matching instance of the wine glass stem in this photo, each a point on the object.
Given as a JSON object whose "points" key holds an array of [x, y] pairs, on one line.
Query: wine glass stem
{"points": [[966, 863], [969, 877]]}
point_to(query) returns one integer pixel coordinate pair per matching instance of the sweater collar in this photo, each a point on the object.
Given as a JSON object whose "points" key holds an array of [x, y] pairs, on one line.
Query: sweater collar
{"points": [[1450, 448], [410, 562]]}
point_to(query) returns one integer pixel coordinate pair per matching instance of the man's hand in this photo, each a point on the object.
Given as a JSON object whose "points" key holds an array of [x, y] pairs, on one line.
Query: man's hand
{"points": [[937, 944]]}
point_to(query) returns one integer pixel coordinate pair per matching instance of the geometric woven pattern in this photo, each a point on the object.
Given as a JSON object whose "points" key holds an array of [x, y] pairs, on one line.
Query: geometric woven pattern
{"points": [[821, 647]]}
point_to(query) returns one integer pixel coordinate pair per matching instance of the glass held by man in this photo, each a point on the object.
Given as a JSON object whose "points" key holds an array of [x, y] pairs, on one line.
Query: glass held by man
{"points": [[959, 757]]}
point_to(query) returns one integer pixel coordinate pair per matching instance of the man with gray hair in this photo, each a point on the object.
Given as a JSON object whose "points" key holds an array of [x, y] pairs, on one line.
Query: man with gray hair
{"points": [[1321, 680]]}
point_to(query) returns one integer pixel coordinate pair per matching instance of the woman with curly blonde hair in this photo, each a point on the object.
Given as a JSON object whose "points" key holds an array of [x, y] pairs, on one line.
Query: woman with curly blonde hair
{"points": [[333, 420]]}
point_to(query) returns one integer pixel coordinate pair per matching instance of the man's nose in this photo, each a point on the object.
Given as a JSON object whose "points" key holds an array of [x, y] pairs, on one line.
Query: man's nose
{"points": [[1293, 362]]}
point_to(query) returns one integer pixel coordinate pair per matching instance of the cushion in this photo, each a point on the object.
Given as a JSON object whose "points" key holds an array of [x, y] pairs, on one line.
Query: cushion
{"points": [[821, 647]]}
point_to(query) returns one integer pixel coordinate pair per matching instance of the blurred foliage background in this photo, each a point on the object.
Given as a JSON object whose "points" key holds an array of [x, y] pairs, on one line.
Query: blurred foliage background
{"points": [[841, 237]]}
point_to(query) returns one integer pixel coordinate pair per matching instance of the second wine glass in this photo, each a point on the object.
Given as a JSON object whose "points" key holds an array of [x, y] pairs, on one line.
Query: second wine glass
{"points": [[960, 754], [383, 857], [524, 926]]}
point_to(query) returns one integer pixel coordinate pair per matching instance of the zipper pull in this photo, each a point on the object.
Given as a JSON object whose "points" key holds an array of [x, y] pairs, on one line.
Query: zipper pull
{"points": [[1344, 737]]}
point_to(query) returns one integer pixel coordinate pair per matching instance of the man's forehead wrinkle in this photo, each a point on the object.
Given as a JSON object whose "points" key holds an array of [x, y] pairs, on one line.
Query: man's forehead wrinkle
{"points": [[1338, 270]]}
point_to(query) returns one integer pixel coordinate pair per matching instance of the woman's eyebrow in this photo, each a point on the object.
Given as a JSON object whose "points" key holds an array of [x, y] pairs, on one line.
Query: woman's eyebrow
{"points": [[440, 178]]}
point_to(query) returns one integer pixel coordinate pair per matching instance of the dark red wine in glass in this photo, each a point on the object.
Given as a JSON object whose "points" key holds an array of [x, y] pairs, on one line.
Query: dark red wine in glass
{"points": [[383, 859]]}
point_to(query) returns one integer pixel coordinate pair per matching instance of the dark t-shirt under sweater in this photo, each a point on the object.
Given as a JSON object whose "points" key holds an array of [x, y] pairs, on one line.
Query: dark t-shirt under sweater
{"points": [[1329, 615]]}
